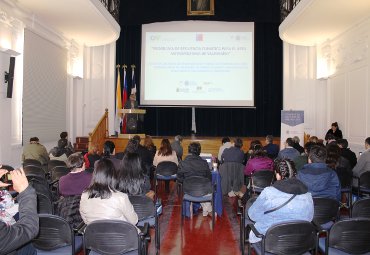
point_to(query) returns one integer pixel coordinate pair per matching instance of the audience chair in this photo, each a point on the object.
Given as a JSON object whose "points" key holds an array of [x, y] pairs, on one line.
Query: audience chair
{"points": [[165, 171], [44, 204], [260, 180], [349, 236], [361, 209], [31, 162], [115, 237], [34, 171], [345, 179], [53, 163], [326, 211], [147, 212], [55, 174], [293, 237], [244, 221], [363, 184], [198, 189], [56, 237], [232, 176]]}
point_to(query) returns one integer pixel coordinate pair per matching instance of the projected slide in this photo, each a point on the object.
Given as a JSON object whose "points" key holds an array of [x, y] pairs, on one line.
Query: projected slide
{"points": [[206, 64]]}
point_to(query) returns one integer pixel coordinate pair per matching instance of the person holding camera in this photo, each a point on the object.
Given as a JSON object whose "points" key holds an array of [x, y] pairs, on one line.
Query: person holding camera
{"points": [[15, 239]]}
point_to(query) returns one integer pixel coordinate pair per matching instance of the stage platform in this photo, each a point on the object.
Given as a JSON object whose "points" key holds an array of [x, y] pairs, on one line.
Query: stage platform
{"points": [[209, 144]]}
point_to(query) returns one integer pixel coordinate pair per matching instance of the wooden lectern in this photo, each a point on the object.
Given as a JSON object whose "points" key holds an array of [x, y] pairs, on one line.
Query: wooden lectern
{"points": [[134, 122]]}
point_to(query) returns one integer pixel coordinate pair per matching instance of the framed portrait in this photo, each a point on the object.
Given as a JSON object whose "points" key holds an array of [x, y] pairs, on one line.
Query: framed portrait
{"points": [[200, 7]]}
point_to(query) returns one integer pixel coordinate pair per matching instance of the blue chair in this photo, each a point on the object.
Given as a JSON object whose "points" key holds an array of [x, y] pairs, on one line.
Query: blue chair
{"points": [[56, 237], [293, 237], [198, 189], [361, 209], [349, 236], [326, 211], [115, 237], [147, 212], [165, 171]]}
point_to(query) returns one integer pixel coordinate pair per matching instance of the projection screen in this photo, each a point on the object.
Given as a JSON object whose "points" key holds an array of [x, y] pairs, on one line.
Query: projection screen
{"points": [[197, 63]]}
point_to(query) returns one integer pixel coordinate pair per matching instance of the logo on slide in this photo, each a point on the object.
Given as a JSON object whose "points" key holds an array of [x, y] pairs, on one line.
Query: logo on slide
{"points": [[199, 37]]}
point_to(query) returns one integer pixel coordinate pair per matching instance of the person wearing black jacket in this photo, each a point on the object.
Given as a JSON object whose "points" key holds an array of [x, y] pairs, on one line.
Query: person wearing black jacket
{"points": [[346, 152], [194, 165], [14, 239]]}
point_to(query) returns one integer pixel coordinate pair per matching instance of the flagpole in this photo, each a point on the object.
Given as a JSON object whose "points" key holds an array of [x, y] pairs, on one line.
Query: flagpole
{"points": [[118, 101], [124, 99], [133, 84]]}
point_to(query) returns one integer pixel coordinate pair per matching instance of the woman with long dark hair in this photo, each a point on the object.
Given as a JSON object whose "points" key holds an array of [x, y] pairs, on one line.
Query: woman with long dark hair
{"points": [[101, 200], [165, 153], [132, 179]]}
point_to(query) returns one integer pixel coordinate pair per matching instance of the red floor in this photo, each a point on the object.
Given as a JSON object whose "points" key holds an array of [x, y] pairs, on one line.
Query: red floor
{"points": [[196, 235]]}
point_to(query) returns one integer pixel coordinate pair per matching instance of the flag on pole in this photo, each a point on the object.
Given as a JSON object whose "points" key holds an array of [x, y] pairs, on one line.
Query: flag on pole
{"points": [[118, 102], [133, 87], [124, 98]]}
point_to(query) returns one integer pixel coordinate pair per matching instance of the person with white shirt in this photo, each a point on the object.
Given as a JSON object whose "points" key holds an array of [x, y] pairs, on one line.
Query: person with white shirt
{"points": [[225, 144]]}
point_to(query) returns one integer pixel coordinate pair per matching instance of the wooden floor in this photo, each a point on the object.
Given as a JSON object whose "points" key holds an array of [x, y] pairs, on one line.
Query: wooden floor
{"points": [[195, 236]]}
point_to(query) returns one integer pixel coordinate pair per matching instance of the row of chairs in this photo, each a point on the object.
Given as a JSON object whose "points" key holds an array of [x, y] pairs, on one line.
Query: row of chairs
{"points": [[56, 236], [326, 213], [348, 236]]}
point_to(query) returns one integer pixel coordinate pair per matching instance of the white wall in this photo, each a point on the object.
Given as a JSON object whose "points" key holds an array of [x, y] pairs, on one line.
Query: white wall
{"points": [[348, 64], [342, 95], [302, 91], [87, 96]]}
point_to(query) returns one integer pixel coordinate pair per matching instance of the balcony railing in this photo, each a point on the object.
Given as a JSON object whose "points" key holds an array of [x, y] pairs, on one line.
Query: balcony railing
{"points": [[286, 6], [113, 7]]}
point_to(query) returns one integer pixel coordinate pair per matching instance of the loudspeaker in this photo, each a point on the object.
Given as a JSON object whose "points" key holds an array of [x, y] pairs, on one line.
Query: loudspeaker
{"points": [[9, 77]]}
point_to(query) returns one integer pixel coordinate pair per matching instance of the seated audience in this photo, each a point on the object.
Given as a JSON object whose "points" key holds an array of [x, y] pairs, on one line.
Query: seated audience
{"points": [[101, 200], [234, 153], [77, 180], [250, 151], [302, 159], [258, 161], [109, 152], [271, 149], [145, 155], [194, 165], [313, 139], [57, 154], [225, 145], [148, 143], [131, 177], [288, 191], [296, 145], [91, 157], [165, 153], [346, 152], [321, 180], [363, 163], [35, 150], [177, 147], [335, 131], [288, 152], [64, 144], [15, 239]]}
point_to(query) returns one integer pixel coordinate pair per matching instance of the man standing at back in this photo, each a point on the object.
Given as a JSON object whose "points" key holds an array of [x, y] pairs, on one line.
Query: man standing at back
{"points": [[177, 147], [363, 163], [234, 153], [225, 145], [320, 180]]}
